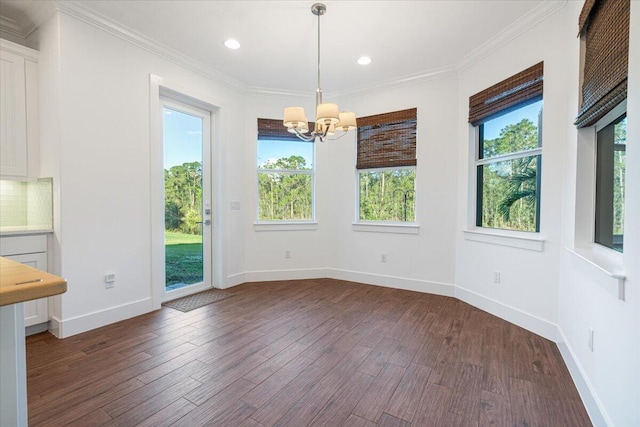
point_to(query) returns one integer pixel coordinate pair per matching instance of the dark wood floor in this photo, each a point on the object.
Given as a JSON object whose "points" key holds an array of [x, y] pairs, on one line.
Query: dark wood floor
{"points": [[298, 353]]}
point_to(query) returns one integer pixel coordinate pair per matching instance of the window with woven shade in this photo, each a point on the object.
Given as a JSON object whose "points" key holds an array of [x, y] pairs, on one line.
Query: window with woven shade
{"points": [[386, 164], [507, 118], [603, 27], [285, 171]]}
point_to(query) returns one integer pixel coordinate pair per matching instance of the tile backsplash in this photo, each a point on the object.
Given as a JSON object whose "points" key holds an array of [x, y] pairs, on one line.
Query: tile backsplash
{"points": [[26, 205]]}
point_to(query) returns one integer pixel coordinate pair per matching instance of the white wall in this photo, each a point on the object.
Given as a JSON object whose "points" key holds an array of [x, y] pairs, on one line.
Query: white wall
{"points": [[100, 162], [588, 298], [422, 262], [527, 294]]}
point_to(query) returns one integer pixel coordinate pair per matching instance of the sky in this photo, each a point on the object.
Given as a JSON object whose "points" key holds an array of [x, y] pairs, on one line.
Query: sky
{"points": [[493, 127], [274, 150], [182, 138]]}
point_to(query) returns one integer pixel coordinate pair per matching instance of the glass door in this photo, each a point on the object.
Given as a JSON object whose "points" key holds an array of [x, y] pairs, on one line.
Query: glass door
{"points": [[187, 195]]}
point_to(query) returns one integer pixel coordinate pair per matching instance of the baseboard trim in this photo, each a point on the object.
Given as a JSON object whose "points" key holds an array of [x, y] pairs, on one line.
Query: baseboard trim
{"points": [[64, 328], [403, 283], [589, 397], [528, 321], [295, 274]]}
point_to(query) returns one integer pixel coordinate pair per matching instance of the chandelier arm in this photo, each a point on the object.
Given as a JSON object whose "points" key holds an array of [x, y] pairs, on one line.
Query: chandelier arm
{"points": [[338, 137], [302, 136]]}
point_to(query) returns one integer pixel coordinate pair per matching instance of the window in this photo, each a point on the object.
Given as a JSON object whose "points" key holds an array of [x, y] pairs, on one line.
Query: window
{"points": [[508, 118], [285, 174], [386, 166], [610, 184]]}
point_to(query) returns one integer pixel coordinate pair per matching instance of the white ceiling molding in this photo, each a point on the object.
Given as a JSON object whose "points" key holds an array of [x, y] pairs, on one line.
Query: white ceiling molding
{"points": [[534, 17], [29, 21], [27, 53], [434, 74], [11, 27], [40, 11], [78, 11]]}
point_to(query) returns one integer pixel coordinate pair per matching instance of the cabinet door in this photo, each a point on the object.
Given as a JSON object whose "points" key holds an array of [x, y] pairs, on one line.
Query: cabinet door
{"points": [[35, 311], [13, 119]]}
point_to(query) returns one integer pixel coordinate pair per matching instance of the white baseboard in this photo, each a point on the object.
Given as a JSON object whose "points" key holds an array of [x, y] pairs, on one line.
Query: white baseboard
{"points": [[63, 328], [589, 397], [353, 276], [297, 274], [416, 285], [525, 320]]}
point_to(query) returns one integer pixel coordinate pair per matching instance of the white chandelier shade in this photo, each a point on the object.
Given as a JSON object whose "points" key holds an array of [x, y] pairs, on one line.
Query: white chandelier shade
{"points": [[328, 117]]}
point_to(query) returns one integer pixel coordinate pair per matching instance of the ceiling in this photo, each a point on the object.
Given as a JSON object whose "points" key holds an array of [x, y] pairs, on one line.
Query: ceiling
{"points": [[405, 39]]}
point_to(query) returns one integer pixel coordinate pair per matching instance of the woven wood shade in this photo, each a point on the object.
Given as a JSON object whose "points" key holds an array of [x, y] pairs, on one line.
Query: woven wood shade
{"points": [[604, 26], [387, 140], [274, 129], [521, 87]]}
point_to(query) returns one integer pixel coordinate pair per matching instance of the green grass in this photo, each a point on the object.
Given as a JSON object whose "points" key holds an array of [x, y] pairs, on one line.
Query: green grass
{"points": [[183, 258]]}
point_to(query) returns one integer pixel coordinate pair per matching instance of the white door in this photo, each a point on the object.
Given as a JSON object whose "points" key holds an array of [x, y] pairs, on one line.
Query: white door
{"points": [[187, 199]]}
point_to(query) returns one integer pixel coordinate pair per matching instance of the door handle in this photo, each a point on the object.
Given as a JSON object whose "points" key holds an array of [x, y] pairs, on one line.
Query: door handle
{"points": [[206, 222]]}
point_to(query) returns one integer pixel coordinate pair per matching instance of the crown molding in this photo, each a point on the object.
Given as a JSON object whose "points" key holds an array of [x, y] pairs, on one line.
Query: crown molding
{"points": [[518, 27], [406, 80], [27, 53], [29, 21], [10, 26], [40, 11], [78, 11]]}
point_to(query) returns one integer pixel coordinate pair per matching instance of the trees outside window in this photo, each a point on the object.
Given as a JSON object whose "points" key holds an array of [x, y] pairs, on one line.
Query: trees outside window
{"points": [[508, 169], [285, 180], [610, 184], [386, 166]]}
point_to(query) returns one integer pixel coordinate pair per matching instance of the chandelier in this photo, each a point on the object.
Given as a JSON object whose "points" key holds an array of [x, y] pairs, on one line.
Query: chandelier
{"points": [[328, 119]]}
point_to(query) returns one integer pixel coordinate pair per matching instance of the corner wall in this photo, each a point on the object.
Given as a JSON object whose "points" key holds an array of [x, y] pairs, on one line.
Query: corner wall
{"points": [[609, 376]]}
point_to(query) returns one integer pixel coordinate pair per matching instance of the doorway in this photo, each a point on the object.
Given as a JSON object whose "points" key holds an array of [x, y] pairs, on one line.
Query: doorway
{"points": [[187, 199]]}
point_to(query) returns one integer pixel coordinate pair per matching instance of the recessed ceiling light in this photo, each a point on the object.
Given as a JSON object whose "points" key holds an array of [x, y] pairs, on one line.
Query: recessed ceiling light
{"points": [[364, 60], [232, 44]]}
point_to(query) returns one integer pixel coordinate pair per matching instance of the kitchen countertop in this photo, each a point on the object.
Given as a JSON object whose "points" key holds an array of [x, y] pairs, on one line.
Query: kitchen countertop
{"points": [[19, 283]]}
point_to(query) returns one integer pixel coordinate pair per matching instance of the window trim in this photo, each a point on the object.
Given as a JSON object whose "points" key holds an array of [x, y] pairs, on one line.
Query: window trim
{"points": [[378, 225], [290, 224]]}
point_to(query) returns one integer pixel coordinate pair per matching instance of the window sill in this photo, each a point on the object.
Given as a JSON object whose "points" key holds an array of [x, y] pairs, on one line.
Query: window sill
{"points": [[606, 260], [285, 226], [514, 239], [380, 227]]}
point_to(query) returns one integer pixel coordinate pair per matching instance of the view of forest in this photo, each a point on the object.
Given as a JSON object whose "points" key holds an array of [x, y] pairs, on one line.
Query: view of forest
{"points": [[183, 198], [509, 188], [284, 195], [183, 213], [619, 174], [387, 195]]}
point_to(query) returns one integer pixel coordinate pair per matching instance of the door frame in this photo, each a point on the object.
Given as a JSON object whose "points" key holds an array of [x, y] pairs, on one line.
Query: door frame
{"points": [[160, 89], [207, 167]]}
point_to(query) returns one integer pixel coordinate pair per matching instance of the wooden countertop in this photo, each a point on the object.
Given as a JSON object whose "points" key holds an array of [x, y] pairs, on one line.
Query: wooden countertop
{"points": [[19, 283]]}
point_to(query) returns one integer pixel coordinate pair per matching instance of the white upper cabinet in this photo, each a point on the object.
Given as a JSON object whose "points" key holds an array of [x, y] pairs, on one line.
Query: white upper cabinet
{"points": [[18, 109]]}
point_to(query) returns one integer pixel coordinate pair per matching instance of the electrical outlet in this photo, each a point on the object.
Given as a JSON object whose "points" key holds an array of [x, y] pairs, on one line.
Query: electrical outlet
{"points": [[496, 277], [383, 258], [109, 280], [287, 253], [590, 339]]}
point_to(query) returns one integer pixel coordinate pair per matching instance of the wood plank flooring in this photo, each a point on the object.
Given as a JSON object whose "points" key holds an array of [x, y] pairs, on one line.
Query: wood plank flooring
{"points": [[304, 353]]}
